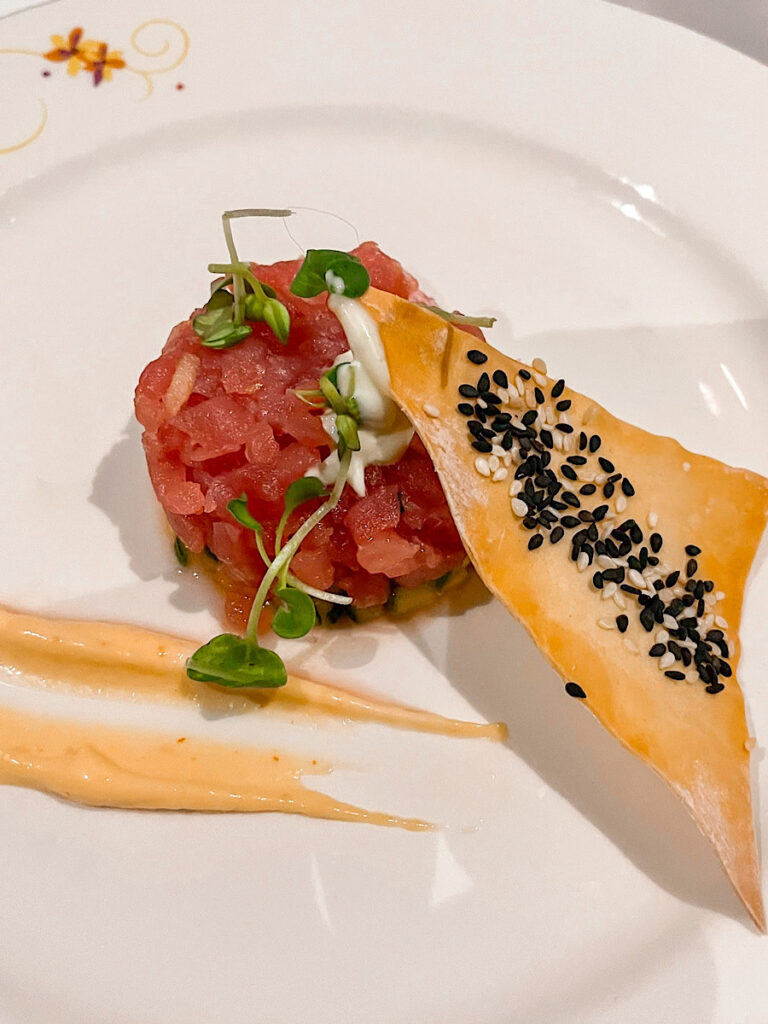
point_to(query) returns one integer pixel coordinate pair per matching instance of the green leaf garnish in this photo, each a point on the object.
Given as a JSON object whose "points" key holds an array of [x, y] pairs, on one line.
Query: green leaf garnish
{"points": [[277, 319], [238, 507], [226, 335], [304, 489], [254, 307], [230, 660], [347, 429], [459, 318], [181, 551], [332, 394], [296, 615], [328, 270]]}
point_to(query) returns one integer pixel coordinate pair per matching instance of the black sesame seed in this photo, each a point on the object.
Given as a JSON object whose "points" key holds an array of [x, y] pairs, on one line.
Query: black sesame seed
{"points": [[570, 499], [547, 517], [630, 590], [606, 465], [574, 690], [476, 428], [715, 687], [614, 575], [564, 428], [627, 487], [614, 477], [634, 563], [698, 590], [653, 560], [492, 399], [656, 541], [482, 446], [535, 542], [557, 388], [692, 550], [657, 650], [594, 443], [709, 586], [673, 674], [675, 649], [582, 441], [610, 548], [546, 437], [586, 516], [538, 394], [530, 523], [569, 472], [598, 581], [525, 446], [467, 391], [636, 534], [464, 408], [658, 585], [587, 489], [564, 405], [608, 490], [725, 669], [576, 460], [557, 535], [484, 383], [690, 586], [559, 505], [600, 548], [481, 413], [622, 622], [600, 513], [475, 356], [508, 440], [647, 620], [692, 567], [524, 374], [715, 634], [686, 655], [500, 378], [530, 417], [592, 533], [687, 600], [569, 521]]}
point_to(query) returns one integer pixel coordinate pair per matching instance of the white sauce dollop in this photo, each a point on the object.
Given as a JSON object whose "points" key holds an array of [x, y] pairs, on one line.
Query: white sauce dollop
{"points": [[384, 431]]}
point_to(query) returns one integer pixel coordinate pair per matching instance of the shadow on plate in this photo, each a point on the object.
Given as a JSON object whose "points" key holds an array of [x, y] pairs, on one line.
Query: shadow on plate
{"points": [[575, 756]]}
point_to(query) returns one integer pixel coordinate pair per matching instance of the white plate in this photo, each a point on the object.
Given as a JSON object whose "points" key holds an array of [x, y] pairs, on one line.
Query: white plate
{"points": [[597, 180]]}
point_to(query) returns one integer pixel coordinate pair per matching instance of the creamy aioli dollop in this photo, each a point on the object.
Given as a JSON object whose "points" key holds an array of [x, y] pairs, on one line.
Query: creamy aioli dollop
{"points": [[384, 431]]}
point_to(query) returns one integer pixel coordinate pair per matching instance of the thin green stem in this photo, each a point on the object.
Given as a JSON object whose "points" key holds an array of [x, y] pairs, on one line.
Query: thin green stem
{"points": [[279, 566], [238, 281]]}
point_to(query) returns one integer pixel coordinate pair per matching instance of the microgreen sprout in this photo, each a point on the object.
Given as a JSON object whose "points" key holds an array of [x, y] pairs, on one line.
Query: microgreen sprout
{"points": [[181, 552], [222, 323], [458, 318], [230, 660]]}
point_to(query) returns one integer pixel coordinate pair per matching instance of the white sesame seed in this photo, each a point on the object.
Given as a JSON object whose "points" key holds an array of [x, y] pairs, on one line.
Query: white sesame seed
{"points": [[507, 459], [519, 508], [540, 379], [493, 463], [691, 677], [686, 467], [499, 475], [661, 636], [431, 410], [520, 385], [569, 443], [719, 595], [609, 515], [530, 398], [635, 578], [600, 479], [621, 503], [609, 590], [606, 562], [631, 645], [515, 487], [677, 590], [550, 417], [582, 561], [586, 478], [514, 400], [618, 600], [482, 403], [606, 623], [503, 395], [540, 365], [652, 519], [666, 660], [670, 622], [498, 451], [708, 622], [482, 467], [709, 601], [557, 440], [721, 622]]}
